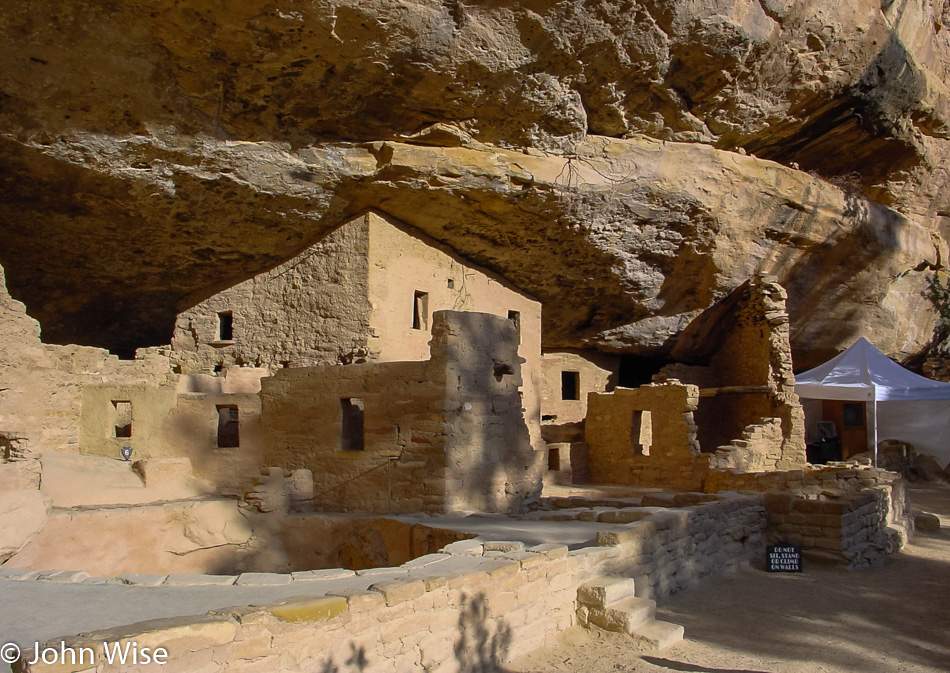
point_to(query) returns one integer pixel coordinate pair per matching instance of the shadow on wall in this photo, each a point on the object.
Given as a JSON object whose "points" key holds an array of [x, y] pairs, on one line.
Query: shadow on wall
{"points": [[480, 648], [357, 661], [503, 472]]}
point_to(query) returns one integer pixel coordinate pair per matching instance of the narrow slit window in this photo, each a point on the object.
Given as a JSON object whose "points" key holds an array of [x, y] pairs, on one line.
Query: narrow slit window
{"points": [[515, 317], [420, 310], [352, 426], [123, 418], [570, 385], [229, 427], [226, 326], [641, 432]]}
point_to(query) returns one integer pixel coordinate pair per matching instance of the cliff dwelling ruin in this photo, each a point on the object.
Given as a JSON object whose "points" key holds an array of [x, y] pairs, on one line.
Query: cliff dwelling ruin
{"points": [[349, 409], [398, 336]]}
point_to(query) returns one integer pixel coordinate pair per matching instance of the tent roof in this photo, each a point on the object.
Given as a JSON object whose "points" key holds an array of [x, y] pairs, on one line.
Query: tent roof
{"points": [[861, 373]]}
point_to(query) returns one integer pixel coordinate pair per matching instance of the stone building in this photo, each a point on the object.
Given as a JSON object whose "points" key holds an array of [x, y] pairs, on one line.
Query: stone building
{"points": [[439, 435], [569, 377], [366, 292], [211, 420], [737, 413]]}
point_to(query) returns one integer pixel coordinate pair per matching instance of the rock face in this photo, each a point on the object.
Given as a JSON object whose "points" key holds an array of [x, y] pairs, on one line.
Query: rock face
{"points": [[596, 154], [23, 514]]}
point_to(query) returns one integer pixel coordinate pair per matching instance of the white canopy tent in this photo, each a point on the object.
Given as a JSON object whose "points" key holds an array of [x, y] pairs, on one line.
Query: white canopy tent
{"points": [[906, 406]]}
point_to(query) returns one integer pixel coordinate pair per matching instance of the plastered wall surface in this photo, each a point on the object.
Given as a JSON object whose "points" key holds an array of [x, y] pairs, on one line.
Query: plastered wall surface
{"points": [[596, 374], [404, 262], [41, 396], [365, 292], [181, 419]]}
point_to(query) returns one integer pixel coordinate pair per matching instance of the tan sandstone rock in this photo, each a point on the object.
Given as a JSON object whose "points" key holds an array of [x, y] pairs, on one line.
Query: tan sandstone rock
{"points": [[22, 515], [608, 158]]}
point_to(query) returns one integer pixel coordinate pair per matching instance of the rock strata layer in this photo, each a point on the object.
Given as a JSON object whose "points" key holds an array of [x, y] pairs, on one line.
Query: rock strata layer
{"points": [[628, 163]]}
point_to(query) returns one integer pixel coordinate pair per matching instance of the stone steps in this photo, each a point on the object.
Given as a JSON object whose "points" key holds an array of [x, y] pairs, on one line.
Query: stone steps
{"points": [[610, 603]]}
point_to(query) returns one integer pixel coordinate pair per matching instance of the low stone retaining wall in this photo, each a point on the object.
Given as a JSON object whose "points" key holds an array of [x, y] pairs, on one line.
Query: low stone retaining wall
{"points": [[817, 481], [518, 601], [856, 530]]}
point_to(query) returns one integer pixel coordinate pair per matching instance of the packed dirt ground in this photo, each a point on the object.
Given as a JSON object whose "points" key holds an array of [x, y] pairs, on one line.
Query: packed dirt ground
{"points": [[890, 619]]}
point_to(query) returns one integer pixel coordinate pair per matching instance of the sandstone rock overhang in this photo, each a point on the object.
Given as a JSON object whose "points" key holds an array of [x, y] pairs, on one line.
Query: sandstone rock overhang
{"points": [[626, 242], [172, 167]]}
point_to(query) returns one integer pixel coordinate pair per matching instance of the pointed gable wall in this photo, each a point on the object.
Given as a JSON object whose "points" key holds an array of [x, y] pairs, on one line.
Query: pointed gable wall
{"points": [[309, 311]]}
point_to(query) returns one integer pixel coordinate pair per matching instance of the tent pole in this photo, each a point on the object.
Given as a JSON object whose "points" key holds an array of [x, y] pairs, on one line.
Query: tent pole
{"points": [[874, 391]]}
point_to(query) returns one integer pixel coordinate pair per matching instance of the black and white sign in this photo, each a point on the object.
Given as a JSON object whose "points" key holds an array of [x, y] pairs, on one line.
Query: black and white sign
{"points": [[783, 558]]}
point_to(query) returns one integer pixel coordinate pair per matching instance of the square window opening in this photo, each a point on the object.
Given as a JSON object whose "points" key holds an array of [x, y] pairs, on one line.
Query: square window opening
{"points": [[123, 418], [420, 310], [570, 385], [229, 427], [351, 435]]}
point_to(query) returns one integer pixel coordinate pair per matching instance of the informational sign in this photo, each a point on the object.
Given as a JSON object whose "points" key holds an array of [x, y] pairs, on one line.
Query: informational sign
{"points": [[783, 557]]}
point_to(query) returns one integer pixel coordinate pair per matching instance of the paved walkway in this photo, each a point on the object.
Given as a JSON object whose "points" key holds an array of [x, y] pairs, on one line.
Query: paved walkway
{"points": [[889, 619], [65, 604], [37, 610]]}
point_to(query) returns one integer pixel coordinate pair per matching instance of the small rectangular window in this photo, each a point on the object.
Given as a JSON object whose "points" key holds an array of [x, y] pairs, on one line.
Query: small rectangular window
{"points": [[570, 385], [225, 326], [123, 418], [229, 429], [450, 284], [351, 436], [420, 310]]}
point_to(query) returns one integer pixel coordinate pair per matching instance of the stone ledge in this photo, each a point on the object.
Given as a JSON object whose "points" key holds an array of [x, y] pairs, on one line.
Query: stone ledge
{"points": [[308, 609], [263, 579]]}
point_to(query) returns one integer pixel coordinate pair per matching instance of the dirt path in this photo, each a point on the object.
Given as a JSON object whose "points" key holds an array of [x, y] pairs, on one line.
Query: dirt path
{"points": [[891, 619]]}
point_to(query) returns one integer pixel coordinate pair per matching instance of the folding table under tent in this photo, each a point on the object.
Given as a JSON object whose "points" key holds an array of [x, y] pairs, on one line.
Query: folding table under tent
{"points": [[906, 407]]}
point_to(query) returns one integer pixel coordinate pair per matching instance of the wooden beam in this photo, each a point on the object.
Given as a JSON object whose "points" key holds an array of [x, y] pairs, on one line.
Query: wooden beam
{"points": [[734, 390]]}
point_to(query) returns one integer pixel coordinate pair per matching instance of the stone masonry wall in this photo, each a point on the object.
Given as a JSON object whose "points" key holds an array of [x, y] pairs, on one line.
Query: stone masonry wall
{"points": [[644, 436], [517, 600], [438, 435], [492, 465], [41, 385], [754, 353], [401, 466], [596, 374], [308, 311], [856, 530]]}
